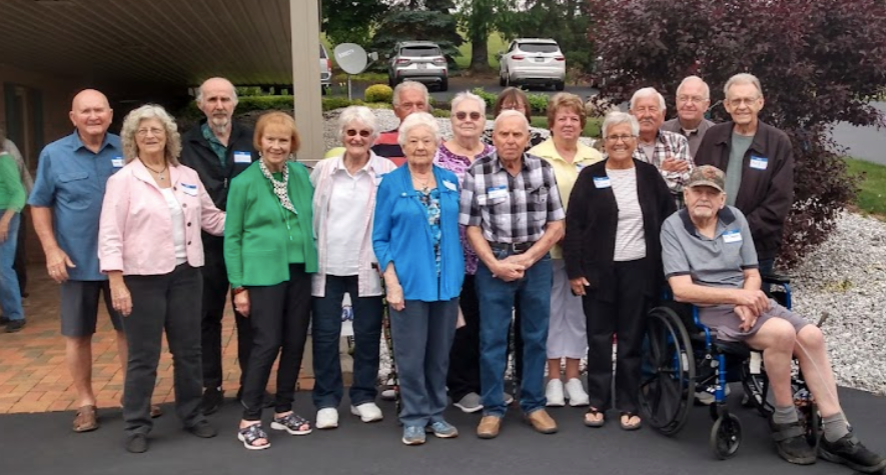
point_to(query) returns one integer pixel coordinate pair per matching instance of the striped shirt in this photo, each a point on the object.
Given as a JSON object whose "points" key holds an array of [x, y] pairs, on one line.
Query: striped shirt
{"points": [[388, 146], [669, 145], [510, 209], [630, 241]]}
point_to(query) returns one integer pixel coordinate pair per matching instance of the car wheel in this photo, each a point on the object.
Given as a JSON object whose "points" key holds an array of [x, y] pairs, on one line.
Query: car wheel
{"points": [[444, 85], [501, 79], [560, 85]]}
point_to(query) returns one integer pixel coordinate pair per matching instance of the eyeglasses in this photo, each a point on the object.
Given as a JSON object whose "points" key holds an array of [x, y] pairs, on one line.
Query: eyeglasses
{"points": [[462, 115], [739, 101], [690, 99], [619, 138], [513, 107], [156, 132], [363, 133], [408, 106]]}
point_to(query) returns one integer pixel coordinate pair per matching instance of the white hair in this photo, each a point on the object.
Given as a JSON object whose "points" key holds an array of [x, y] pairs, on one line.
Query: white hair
{"points": [[742, 78], [705, 89], [357, 114], [647, 92], [468, 96], [234, 97], [508, 113], [416, 120], [414, 85], [617, 118], [133, 121]]}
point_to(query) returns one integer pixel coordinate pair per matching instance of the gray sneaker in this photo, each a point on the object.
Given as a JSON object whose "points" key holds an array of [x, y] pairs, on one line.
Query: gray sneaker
{"points": [[470, 403]]}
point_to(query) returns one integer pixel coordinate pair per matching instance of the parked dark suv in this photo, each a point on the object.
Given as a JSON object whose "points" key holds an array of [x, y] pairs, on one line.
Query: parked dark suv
{"points": [[421, 61]]}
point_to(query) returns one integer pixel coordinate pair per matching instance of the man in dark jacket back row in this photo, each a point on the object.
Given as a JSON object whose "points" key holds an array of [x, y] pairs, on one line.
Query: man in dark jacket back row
{"points": [[218, 149], [759, 165]]}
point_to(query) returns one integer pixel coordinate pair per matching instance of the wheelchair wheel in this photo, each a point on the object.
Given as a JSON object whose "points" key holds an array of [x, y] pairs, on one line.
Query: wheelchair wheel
{"points": [[812, 421], [756, 388], [667, 384], [725, 436]]}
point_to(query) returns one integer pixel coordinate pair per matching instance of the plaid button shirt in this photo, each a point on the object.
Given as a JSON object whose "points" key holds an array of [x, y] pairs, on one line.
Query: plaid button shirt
{"points": [[673, 145], [510, 209]]}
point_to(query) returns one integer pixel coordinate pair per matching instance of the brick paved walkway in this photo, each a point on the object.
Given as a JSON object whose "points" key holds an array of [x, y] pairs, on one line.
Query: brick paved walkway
{"points": [[33, 374]]}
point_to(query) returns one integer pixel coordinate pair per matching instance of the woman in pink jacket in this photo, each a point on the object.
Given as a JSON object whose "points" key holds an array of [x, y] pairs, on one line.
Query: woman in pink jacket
{"points": [[150, 247]]}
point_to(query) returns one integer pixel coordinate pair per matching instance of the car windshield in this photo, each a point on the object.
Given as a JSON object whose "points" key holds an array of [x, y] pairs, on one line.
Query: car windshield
{"points": [[420, 51], [539, 47]]}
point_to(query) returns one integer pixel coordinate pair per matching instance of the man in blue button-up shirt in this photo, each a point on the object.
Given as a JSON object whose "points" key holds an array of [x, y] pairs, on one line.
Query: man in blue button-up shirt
{"points": [[66, 204]]}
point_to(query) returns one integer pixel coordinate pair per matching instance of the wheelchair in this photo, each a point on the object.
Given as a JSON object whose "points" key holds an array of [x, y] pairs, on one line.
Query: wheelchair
{"points": [[681, 356]]}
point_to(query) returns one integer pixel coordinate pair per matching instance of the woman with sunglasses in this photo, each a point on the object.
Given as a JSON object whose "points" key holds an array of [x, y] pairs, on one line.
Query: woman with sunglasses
{"points": [[468, 119], [344, 199]]}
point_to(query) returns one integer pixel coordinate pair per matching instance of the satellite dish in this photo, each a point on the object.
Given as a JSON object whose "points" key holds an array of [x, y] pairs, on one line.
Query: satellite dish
{"points": [[351, 58]]}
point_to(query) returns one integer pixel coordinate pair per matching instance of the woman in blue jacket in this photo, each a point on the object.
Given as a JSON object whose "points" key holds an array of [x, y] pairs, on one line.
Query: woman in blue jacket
{"points": [[415, 238]]}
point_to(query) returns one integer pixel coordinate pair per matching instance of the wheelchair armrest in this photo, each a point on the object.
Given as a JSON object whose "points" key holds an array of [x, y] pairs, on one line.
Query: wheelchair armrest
{"points": [[776, 279]]}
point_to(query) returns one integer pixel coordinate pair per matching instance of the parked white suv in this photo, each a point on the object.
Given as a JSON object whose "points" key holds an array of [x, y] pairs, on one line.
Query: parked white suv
{"points": [[421, 61], [537, 61]]}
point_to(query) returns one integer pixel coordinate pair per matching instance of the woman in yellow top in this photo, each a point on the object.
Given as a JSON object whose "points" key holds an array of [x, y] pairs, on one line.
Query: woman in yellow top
{"points": [[566, 332]]}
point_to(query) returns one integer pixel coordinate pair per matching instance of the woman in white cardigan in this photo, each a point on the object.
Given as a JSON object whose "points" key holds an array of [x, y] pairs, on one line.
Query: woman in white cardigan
{"points": [[344, 199]]}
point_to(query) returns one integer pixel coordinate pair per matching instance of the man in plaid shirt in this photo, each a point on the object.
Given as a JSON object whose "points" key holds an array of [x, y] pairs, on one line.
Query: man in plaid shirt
{"points": [[512, 209], [668, 151]]}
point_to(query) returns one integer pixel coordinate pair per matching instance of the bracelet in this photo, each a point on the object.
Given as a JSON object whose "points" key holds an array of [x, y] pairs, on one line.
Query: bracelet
{"points": [[238, 290]]}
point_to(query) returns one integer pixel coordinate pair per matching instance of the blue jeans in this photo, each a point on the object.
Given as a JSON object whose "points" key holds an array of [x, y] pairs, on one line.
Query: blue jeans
{"points": [[326, 332], [422, 335], [10, 294], [497, 300]]}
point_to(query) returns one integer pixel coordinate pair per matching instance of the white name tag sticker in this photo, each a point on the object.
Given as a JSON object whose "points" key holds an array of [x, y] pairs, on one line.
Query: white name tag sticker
{"points": [[189, 189], [117, 162], [602, 182], [242, 157], [759, 163], [450, 185], [732, 236], [496, 192], [578, 167]]}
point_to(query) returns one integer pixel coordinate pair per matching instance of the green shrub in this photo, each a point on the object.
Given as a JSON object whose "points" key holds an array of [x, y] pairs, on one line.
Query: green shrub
{"points": [[488, 97], [441, 113], [379, 93]]}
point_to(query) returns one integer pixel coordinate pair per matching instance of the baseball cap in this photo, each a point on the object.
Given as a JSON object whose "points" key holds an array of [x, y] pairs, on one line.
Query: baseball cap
{"points": [[707, 175]]}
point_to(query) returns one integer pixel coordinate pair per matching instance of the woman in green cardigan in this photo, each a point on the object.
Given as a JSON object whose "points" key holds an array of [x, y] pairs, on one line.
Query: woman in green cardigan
{"points": [[12, 200], [270, 255]]}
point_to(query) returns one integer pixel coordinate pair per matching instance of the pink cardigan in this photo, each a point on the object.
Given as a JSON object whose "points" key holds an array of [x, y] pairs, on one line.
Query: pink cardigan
{"points": [[135, 232]]}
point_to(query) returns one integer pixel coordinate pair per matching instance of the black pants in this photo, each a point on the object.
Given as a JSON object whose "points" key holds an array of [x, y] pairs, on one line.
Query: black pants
{"points": [[626, 316], [279, 316], [215, 293], [171, 302], [464, 357], [20, 265]]}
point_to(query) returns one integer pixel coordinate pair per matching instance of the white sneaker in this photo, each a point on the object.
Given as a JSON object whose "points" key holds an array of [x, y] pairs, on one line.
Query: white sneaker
{"points": [[576, 394], [554, 393], [508, 398], [368, 412], [327, 418]]}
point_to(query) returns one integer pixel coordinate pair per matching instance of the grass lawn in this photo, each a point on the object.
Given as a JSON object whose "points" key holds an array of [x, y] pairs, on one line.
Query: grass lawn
{"points": [[872, 196], [592, 128]]}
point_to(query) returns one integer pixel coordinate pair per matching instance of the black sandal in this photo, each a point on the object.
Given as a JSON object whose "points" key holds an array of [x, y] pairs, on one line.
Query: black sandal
{"points": [[627, 425], [249, 436], [593, 411], [292, 423]]}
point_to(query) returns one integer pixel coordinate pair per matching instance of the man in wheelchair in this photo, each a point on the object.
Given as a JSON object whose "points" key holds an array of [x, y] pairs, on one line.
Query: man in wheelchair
{"points": [[710, 261]]}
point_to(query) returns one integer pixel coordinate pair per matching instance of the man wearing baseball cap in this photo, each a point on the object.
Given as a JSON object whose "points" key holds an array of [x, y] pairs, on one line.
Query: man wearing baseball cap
{"points": [[710, 261]]}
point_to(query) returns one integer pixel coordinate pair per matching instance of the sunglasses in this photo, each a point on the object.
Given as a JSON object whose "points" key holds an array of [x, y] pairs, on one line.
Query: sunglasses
{"points": [[462, 115], [363, 133]]}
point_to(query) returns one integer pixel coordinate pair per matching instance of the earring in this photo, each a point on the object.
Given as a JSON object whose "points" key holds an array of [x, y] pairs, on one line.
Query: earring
{"points": [[292, 157]]}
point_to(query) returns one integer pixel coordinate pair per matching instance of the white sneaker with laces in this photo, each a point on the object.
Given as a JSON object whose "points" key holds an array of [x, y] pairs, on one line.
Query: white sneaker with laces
{"points": [[327, 418], [368, 412], [576, 394], [554, 393]]}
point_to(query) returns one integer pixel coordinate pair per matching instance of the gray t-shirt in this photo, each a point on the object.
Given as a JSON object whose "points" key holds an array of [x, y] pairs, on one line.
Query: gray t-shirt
{"points": [[712, 262], [630, 241], [740, 145]]}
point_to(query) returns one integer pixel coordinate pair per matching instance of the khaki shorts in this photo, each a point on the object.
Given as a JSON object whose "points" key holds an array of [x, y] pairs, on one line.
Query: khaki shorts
{"points": [[723, 319]]}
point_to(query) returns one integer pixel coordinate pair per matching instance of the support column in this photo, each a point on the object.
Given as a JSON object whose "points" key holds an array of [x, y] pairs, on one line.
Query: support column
{"points": [[304, 22]]}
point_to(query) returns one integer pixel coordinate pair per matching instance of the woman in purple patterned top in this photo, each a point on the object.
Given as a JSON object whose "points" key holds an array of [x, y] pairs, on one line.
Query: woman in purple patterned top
{"points": [[456, 155]]}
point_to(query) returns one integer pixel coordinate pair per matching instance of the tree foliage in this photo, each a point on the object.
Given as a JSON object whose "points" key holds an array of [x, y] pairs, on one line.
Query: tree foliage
{"points": [[819, 61], [409, 21], [351, 21], [479, 18]]}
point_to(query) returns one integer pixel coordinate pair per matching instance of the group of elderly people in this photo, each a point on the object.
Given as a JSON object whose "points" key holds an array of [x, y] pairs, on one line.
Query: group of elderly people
{"points": [[468, 233]]}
